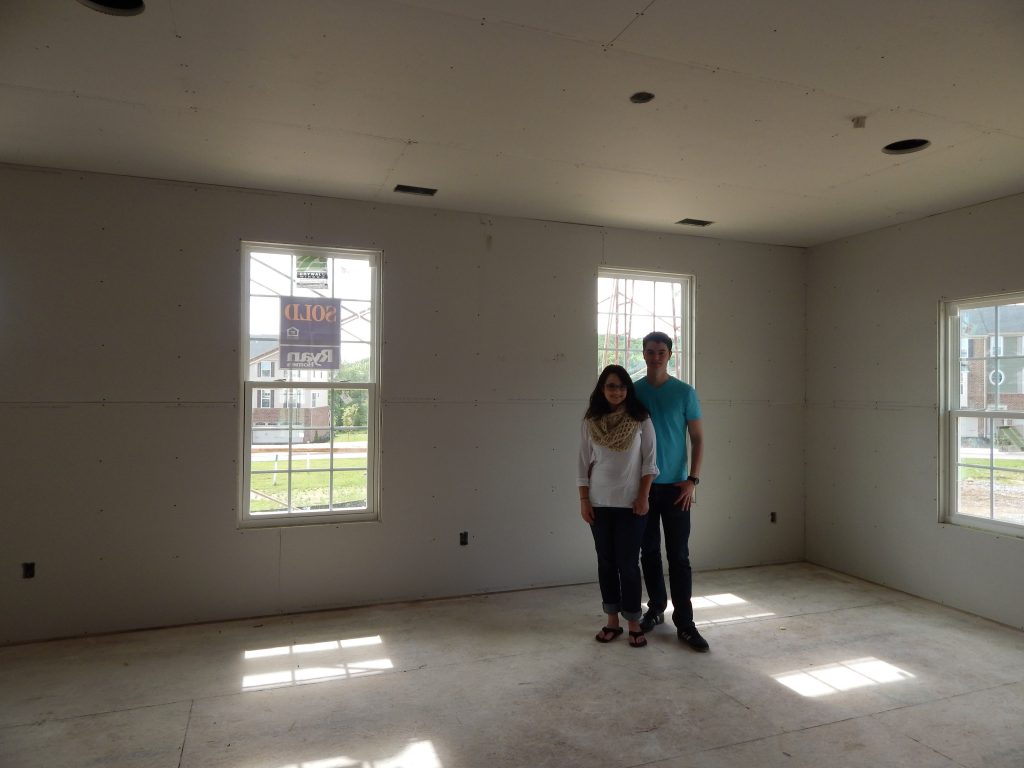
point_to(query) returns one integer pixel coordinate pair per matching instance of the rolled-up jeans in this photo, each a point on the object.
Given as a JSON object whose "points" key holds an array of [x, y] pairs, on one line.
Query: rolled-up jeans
{"points": [[663, 511], [617, 535]]}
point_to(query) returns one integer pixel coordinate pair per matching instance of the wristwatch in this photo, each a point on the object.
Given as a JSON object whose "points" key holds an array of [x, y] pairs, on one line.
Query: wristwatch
{"points": [[694, 479]]}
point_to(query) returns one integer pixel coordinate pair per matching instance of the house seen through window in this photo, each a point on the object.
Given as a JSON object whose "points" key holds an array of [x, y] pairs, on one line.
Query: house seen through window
{"points": [[985, 411], [309, 374]]}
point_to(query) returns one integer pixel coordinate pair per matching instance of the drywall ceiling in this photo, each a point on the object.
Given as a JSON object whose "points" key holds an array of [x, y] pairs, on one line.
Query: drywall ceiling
{"points": [[522, 108]]}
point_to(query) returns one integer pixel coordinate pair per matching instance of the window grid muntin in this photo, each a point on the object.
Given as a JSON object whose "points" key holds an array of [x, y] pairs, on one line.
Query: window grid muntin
{"points": [[370, 310], [992, 349], [367, 305], [291, 459], [680, 319]]}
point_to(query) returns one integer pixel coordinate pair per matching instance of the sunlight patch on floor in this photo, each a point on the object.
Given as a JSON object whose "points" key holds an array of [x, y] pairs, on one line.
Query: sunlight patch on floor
{"points": [[418, 754], [331, 663], [724, 600], [842, 676]]}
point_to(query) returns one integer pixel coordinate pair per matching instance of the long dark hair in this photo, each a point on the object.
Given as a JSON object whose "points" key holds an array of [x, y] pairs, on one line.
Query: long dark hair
{"points": [[599, 406]]}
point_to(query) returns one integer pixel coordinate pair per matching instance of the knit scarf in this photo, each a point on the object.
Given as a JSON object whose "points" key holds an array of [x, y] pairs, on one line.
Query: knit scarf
{"points": [[614, 430]]}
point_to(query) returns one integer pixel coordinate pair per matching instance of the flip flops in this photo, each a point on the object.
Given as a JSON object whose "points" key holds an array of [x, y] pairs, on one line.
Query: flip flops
{"points": [[637, 639], [607, 634]]}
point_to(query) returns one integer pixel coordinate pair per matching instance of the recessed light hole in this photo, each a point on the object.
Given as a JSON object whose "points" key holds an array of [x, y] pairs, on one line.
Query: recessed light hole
{"points": [[641, 97], [906, 146], [695, 222], [116, 7]]}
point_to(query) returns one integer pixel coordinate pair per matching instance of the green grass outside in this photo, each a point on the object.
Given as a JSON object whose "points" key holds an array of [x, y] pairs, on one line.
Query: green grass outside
{"points": [[308, 488], [982, 473]]}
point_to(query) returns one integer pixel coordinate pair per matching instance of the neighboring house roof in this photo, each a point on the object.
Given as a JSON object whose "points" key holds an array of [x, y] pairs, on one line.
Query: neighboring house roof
{"points": [[262, 348]]}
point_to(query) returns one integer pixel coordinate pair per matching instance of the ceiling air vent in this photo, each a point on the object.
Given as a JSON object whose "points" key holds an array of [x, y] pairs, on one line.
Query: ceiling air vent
{"points": [[406, 189], [694, 222]]}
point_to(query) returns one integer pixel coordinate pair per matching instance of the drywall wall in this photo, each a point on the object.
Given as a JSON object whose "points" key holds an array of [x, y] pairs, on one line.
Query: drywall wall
{"points": [[873, 406], [121, 301]]}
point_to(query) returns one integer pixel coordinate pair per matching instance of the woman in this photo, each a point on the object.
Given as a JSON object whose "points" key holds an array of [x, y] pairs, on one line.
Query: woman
{"points": [[616, 468]]}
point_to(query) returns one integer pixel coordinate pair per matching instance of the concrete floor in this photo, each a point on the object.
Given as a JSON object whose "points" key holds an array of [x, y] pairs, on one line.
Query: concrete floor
{"points": [[808, 668]]}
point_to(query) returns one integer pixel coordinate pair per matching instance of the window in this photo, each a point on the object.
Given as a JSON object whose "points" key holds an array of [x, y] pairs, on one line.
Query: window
{"points": [[309, 363], [632, 304], [984, 412]]}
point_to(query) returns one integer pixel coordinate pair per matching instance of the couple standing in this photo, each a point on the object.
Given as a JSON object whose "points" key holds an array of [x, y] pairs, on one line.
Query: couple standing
{"points": [[633, 479]]}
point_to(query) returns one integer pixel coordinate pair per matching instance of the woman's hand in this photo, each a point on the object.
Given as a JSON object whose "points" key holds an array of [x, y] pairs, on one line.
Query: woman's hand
{"points": [[587, 511], [640, 506]]}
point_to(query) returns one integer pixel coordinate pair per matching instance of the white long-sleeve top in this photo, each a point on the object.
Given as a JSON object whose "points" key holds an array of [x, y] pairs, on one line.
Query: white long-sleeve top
{"points": [[614, 476]]}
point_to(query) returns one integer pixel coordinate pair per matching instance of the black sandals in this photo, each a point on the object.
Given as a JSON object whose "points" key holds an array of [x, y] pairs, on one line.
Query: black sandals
{"points": [[607, 634]]}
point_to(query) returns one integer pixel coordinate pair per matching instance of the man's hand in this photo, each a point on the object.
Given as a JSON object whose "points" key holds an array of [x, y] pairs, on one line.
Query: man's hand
{"points": [[685, 498], [640, 506], [587, 511]]}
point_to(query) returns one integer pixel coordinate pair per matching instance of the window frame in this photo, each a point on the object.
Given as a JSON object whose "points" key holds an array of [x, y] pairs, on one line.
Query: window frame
{"points": [[953, 408], [250, 382], [688, 314]]}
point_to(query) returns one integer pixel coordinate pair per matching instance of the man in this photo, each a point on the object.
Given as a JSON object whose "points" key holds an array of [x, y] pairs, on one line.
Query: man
{"points": [[675, 412]]}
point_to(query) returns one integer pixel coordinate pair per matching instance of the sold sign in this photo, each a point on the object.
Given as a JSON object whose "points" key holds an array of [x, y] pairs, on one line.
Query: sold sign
{"points": [[310, 333]]}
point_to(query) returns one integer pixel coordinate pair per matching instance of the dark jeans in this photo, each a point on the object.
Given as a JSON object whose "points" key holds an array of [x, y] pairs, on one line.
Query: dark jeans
{"points": [[617, 534], [677, 549]]}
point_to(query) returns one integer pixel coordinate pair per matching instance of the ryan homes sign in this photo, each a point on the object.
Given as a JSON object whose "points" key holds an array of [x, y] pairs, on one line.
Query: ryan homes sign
{"points": [[310, 333]]}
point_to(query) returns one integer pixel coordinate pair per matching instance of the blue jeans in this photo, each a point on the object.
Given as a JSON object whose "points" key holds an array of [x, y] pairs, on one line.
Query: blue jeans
{"points": [[677, 549], [617, 534]]}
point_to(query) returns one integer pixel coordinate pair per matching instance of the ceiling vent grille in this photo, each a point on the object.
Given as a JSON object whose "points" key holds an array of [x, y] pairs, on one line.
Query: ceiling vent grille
{"points": [[408, 190]]}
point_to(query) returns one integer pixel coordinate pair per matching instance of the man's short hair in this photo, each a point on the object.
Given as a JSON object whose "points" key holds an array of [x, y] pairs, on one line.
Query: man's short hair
{"points": [[658, 337]]}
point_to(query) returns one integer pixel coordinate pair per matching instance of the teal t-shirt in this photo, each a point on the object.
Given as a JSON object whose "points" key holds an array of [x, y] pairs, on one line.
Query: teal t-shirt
{"points": [[672, 405]]}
